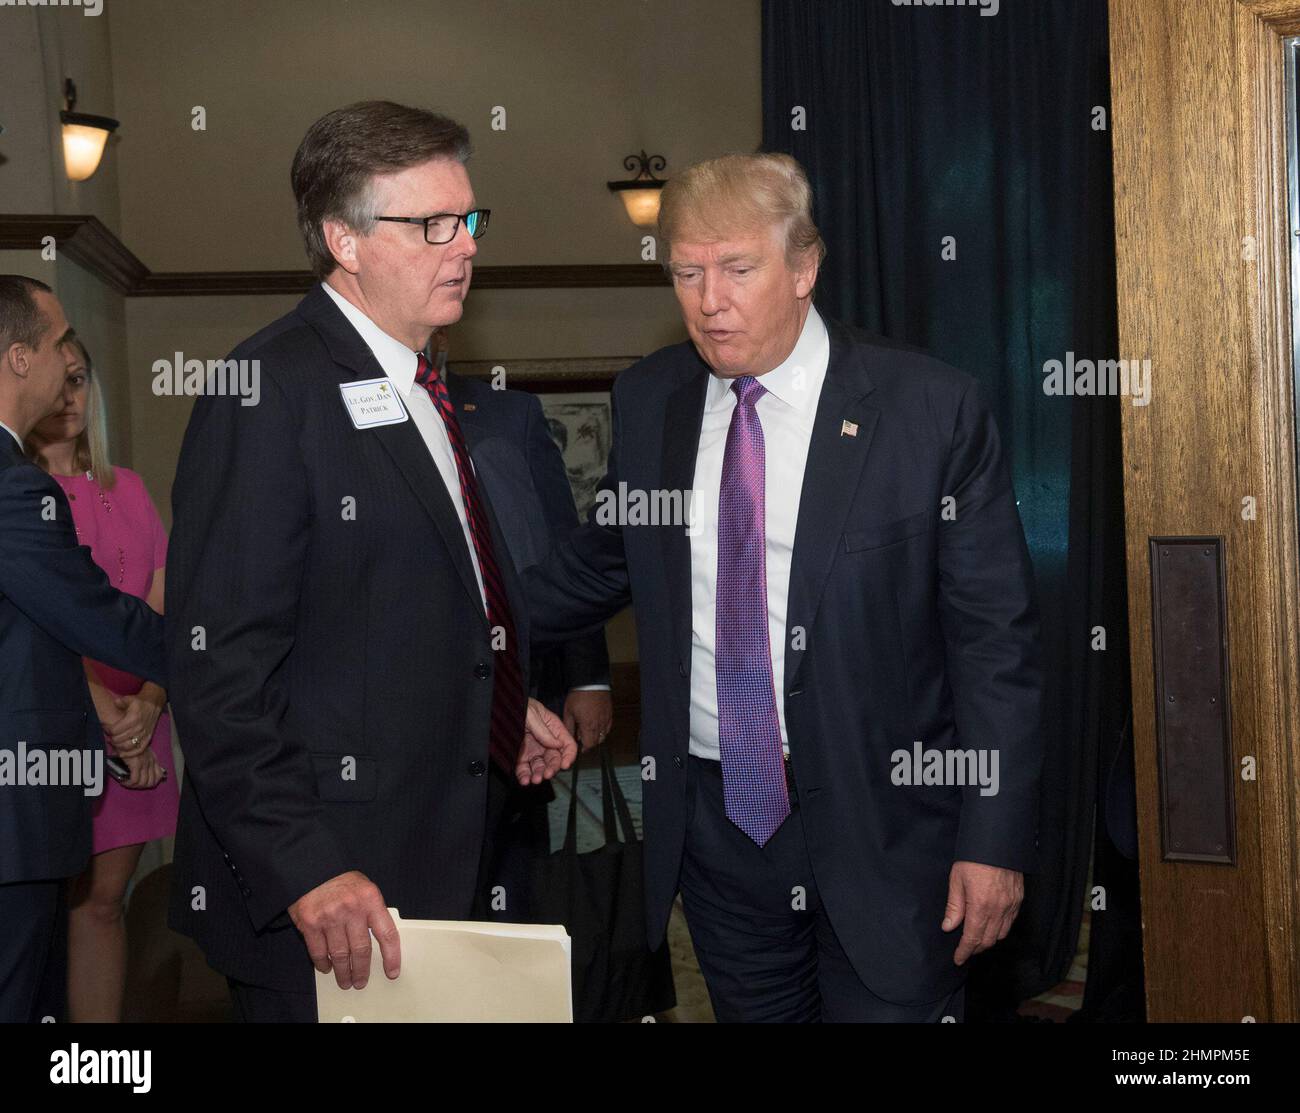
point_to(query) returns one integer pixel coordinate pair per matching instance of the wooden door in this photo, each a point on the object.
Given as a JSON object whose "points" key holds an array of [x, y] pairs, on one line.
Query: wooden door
{"points": [[1198, 124]]}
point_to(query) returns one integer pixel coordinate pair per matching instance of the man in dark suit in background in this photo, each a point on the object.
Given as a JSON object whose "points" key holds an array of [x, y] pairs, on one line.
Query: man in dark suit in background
{"points": [[839, 662], [349, 646], [523, 471], [56, 606]]}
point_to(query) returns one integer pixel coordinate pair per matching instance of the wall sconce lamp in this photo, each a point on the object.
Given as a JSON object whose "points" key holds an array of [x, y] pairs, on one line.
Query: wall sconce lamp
{"points": [[641, 194], [84, 136]]}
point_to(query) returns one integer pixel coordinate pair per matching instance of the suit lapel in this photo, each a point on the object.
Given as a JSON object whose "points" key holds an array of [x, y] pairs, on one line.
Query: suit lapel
{"points": [[683, 416], [837, 456], [411, 455], [402, 442]]}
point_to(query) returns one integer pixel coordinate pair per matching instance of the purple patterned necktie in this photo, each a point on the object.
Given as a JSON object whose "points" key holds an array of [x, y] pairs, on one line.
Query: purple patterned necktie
{"points": [[749, 732]]}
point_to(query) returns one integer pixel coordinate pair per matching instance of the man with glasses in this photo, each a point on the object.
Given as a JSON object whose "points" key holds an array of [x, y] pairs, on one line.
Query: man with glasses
{"points": [[348, 640]]}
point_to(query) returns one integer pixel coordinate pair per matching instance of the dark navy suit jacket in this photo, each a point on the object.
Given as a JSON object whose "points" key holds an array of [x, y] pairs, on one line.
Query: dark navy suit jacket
{"points": [[523, 470], [56, 606], [917, 627], [335, 702]]}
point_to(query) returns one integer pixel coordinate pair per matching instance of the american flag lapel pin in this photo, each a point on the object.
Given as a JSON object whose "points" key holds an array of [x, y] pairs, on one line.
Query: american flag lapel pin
{"points": [[849, 429], [470, 407]]}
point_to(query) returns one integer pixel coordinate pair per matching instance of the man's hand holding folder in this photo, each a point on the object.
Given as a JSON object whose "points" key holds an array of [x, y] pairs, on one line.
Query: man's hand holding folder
{"points": [[338, 917]]}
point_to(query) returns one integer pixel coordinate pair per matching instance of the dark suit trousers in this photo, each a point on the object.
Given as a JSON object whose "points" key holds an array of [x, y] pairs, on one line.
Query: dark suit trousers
{"points": [[262, 1005], [33, 956], [763, 940], [255, 1004]]}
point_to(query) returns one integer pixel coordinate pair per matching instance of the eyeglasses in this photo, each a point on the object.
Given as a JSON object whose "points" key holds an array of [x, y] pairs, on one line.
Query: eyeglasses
{"points": [[442, 227]]}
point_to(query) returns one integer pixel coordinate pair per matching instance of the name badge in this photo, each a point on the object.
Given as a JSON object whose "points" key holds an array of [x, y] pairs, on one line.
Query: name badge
{"points": [[373, 403]]}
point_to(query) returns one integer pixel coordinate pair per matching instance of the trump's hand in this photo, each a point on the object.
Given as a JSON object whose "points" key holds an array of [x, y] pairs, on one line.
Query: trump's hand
{"points": [[588, 716], [336, 919], [988, 899], [547, 747]]}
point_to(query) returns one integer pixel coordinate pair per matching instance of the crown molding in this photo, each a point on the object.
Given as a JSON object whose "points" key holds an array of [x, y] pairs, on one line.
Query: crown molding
{"points": [[86, 241]]}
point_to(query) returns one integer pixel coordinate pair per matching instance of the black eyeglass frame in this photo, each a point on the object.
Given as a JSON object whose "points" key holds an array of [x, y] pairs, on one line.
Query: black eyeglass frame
{"points": [[483, 214]]}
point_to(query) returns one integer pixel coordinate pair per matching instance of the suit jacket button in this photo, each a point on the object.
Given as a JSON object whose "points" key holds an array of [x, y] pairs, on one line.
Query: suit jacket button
{"points": [[482, 671], [477, 768], [682, 670], [677, 761]]}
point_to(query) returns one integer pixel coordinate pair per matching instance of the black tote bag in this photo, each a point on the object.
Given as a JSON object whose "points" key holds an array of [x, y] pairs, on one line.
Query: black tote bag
{"points": [[598, 897]]}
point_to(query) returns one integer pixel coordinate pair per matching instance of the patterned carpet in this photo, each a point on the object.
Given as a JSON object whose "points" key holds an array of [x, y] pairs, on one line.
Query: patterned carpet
{"points": [[1062, 1000]]}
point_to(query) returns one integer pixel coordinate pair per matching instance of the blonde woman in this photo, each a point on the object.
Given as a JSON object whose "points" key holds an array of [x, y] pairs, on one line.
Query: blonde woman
{"points": [[114, 516]]}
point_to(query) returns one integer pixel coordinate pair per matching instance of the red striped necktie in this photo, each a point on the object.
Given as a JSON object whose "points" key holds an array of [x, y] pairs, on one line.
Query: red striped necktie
{"points": [[508, 697]]}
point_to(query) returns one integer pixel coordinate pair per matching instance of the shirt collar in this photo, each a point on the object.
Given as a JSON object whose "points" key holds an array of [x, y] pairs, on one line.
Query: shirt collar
{"points": [[797, 380], [15, 436], [398, 362]]}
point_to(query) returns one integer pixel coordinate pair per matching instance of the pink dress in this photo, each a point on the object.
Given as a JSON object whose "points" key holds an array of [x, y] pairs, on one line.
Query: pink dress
{"points": [[127, 540]]}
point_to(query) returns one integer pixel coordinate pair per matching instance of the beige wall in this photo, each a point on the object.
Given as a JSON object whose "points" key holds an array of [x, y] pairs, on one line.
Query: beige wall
{"points": [[26, 164], [583, 83], [200, 328], [39, 47]]}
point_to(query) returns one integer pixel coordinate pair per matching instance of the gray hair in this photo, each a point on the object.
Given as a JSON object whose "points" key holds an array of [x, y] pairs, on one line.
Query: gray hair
{"points": [[335, 168]]}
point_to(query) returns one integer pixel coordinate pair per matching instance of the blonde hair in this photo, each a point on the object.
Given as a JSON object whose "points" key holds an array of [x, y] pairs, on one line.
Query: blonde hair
{"points": [[745, 194], [91, 449]]}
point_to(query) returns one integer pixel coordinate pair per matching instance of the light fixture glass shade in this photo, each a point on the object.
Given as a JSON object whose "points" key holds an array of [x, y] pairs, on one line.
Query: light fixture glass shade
{"points": [[83, 147], [84, 137], [642, 205], [641, 193]]}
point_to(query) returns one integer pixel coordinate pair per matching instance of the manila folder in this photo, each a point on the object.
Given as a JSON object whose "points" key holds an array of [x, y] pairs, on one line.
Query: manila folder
{"points": [[456, 970]]}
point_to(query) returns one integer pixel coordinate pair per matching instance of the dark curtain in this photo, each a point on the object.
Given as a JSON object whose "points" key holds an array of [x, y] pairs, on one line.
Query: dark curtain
{"points": [[924, 123]]}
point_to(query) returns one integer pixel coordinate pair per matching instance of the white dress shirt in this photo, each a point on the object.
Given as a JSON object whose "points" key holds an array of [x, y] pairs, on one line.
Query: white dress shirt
{"points": [[399, 364], [12, 434], [786, 412]]}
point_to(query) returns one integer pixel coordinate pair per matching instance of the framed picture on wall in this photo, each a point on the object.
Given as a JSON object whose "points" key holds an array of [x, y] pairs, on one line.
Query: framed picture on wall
{"points": [[575, 399], [580, 425]]}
